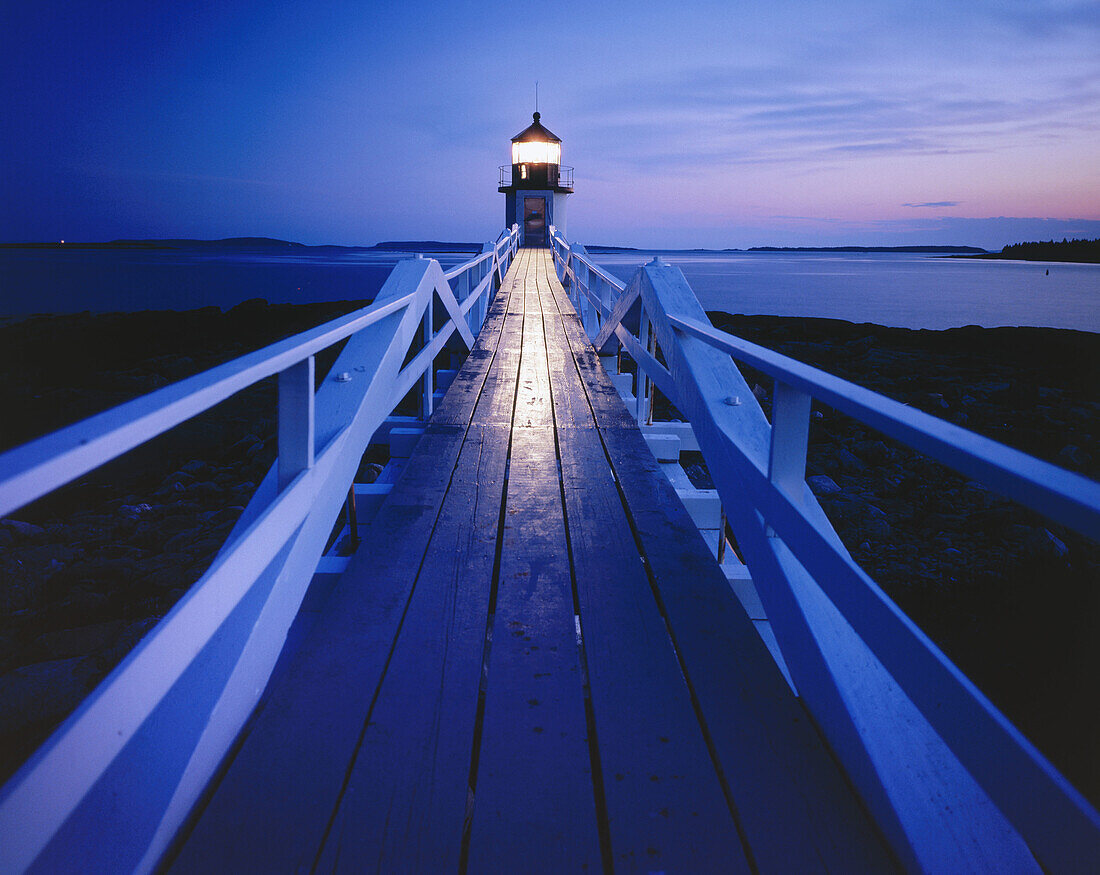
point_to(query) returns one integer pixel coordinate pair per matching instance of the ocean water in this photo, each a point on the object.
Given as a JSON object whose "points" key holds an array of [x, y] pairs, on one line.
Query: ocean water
{"points": [[906, 290], [898, 289], [107, 280]]}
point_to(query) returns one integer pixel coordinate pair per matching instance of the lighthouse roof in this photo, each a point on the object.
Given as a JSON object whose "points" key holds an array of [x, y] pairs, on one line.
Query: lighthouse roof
{"points": [[535, 133]]}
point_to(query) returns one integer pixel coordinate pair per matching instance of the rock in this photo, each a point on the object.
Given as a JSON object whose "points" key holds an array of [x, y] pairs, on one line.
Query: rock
{"points": [[876, 527], [241, 447], [22, 529], [40, 692], [178, 368], [98, 664], [823, 484], [760, 392], [875, 452], [1042, 544], [181, 477], [1074, 456], [849, 462], [172, 575], [78, 641], [226, 515], [182, 541]]}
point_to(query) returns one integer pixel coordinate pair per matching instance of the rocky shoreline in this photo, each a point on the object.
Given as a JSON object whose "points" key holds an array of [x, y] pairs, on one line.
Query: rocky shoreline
{"points": [[1010, 597]]}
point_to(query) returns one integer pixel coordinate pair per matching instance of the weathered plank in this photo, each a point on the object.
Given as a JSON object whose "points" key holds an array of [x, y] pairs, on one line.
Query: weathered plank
{"points": [[533, 407], [271, 809], [495, 403], [405, 801], [665, 805], [534, 802]]}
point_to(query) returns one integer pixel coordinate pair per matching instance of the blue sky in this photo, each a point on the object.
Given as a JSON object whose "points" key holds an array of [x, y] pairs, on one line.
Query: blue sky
{"points": [[689, 124]]}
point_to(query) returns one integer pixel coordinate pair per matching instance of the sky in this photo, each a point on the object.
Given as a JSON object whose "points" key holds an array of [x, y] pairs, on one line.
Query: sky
{"points": [[725, 124]]}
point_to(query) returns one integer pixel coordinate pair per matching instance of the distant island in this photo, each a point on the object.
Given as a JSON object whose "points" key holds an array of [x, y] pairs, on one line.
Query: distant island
{"points": [[935, 250], [927, 250], [261, 244], [1074, 251], [1079, 251]]}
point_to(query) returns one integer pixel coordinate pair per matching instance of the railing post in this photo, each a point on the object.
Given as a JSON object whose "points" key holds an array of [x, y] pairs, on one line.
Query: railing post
{"points": [[606, 302], [296, 420], [426, 400], [641, 381], [790, 437]]}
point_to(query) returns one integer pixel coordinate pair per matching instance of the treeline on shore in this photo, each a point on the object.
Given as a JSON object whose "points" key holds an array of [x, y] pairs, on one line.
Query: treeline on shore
{"points": [[1083, 251]]}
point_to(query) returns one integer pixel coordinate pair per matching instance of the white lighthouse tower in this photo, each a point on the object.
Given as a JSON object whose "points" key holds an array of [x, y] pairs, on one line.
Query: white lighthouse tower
{"points": [[535, 185]]}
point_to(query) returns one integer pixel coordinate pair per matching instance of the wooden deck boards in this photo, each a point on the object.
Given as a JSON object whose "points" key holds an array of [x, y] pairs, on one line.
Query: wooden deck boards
{"points": [[533, 662]]}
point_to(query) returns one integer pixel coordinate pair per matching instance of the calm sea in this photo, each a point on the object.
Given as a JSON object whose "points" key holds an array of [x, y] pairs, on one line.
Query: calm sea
{"points": [[913, 291], [902, 290]]}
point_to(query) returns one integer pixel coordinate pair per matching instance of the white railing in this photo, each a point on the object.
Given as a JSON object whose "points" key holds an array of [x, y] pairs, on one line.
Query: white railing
{"points": [[951, 782], [110, 788]]}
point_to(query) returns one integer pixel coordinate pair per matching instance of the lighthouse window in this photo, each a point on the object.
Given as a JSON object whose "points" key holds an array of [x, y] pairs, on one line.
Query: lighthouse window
{"points": [[523, 171], [536, 153]]}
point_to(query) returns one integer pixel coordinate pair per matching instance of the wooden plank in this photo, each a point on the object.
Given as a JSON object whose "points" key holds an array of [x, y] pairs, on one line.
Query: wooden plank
{"points": [[533, 408], [498, 394], [607, 406], [467, 386], [665, 805], [405, 802], [271, 808], [794, 804], [534, 800], [571, 406], [666, 808]]}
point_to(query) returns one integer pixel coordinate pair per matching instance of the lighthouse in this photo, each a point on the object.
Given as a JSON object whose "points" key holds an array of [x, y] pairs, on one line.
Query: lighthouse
{"points": [[536, 184]]}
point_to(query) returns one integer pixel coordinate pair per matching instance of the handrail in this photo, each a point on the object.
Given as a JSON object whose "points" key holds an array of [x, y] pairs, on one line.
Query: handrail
{"points": [[159, 725], [910, 751], [39, 467], [1069, 498], [564, 177]]}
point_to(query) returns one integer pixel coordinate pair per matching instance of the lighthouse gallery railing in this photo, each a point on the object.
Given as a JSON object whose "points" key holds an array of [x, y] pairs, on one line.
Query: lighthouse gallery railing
{"points": [[882, 692], [159, 725]]}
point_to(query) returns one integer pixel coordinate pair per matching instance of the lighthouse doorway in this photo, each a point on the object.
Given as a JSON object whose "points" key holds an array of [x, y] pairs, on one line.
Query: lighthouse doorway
{"points": [[534, 221]]}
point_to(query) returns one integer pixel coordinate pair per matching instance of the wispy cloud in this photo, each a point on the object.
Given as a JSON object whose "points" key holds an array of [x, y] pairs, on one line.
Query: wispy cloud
{"points": [[935, 204]]}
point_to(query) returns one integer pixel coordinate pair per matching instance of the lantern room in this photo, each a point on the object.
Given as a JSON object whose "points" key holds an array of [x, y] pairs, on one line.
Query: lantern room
{"points": [[535, 185]]}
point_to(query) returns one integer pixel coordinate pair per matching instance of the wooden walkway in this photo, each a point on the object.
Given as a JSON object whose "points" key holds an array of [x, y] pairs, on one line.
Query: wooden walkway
{"points": [[532, 663]]}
